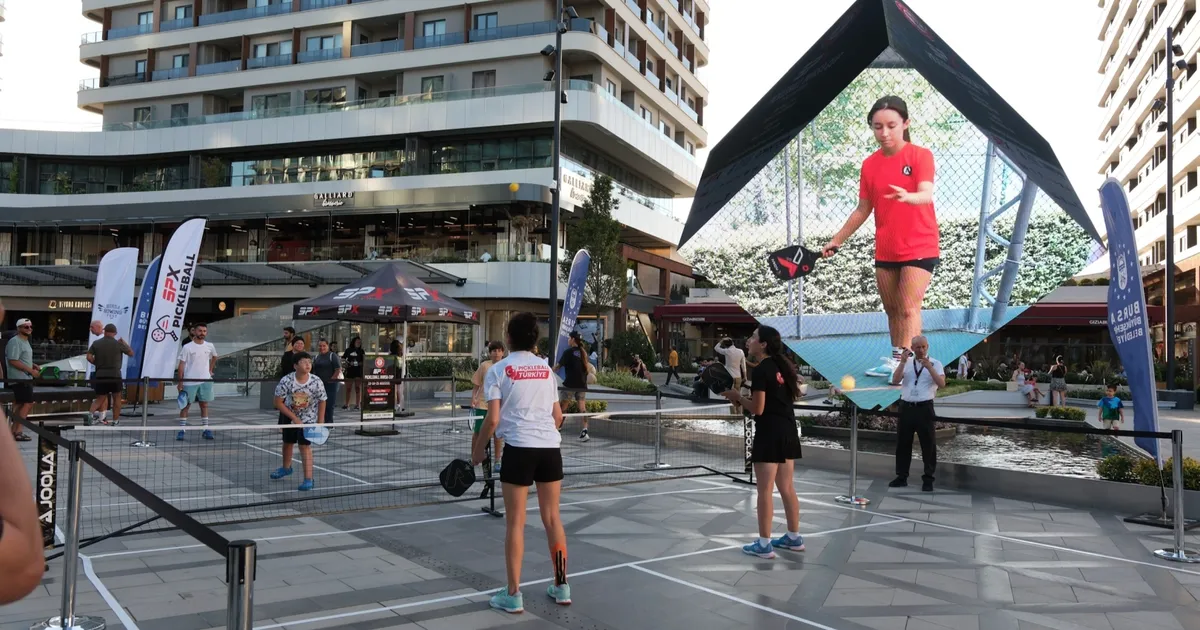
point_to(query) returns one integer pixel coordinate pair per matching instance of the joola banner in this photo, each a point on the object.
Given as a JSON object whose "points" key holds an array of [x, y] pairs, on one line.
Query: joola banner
{"points": [[177, 272]]}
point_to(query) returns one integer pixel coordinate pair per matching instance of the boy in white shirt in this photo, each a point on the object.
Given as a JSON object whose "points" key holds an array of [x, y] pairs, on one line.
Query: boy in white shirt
{"points": [[523, 409]]}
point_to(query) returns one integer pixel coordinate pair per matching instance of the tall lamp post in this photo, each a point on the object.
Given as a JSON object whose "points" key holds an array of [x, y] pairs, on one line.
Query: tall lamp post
{"points": [[555, 75], [1168, 126]]}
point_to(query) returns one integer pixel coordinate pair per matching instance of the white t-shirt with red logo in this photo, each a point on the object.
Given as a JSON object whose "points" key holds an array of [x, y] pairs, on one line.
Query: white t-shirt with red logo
{"points": [[527, 392]]}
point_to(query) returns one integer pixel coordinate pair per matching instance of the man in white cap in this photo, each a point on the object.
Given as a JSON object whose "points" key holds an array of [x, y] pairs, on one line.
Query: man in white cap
{"points": [[21, 372]]}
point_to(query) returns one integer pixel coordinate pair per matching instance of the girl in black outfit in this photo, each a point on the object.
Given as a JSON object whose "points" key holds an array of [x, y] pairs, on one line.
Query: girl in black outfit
{"points": [[775, 385], [353, 359]]}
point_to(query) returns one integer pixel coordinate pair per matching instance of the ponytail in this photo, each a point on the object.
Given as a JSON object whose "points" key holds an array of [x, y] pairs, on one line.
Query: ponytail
{"points": [[907, 138], [774, 344]]}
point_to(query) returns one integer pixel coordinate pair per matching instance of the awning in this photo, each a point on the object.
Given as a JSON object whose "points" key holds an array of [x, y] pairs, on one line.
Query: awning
{"points": [[1074, 315], [266, 273], [387, 295], [704, 313]]}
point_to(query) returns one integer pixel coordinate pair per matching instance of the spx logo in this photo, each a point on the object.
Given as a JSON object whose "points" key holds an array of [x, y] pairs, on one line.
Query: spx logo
{"points": [[421, 294], [370, 293], [305, 311], [162, 329]]}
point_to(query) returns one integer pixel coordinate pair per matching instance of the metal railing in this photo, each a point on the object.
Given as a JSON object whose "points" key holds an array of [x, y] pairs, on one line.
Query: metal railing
{"points": [[245, 14], [221, 67], [437, 41], [311, 56], [175, 25], [511, 31], [91, 38], [309, 5], [268, 62], [377, 48], [632, 4], [657, 30], [129, 31], [168, 74]]}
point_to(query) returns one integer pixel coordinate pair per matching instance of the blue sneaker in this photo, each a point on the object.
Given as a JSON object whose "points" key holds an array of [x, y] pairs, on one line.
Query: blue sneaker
{"points": [[886, 369], [208, 435], [496, 469], [179, 436], [306, 485], [508, 603], [787, 542], [561, 594], [756, 548], [281, 472]]}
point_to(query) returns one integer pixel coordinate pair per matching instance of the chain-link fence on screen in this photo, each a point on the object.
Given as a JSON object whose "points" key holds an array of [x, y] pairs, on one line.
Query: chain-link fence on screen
{"points": [[805, 194]]}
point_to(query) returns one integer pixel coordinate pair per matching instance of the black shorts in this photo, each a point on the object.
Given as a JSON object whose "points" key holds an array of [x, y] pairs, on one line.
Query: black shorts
{"points": [[775, 442], [22, 392], [106, 386], [293, 436], [523, 466], [354, 372], [928, 264]]}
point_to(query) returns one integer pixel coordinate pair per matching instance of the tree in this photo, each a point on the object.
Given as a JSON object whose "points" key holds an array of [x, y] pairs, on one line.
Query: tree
{"points": [[600, 234]]}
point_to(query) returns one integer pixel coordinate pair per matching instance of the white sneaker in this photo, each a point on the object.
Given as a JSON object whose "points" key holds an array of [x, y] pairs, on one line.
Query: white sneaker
{"points": [[886, 369]]}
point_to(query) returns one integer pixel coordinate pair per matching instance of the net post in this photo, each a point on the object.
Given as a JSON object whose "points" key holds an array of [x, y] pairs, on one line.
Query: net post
{"points": [[658, 462], [240, 568], [454, 428], [1178, 553], [144, 442], [852, 498], [489, 483], [67, 618]]}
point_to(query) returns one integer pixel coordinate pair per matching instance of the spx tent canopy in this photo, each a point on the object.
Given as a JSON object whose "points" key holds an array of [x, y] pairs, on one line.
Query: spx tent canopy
{"points": [[386, 296]]}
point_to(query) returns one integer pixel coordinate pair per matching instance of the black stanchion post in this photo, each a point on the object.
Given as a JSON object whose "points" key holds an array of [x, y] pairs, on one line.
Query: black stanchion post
{"points": [[658, 462], [489, 483], [852, 498], [454, 428], [144, 442], [240, 567], [1179, 553]]}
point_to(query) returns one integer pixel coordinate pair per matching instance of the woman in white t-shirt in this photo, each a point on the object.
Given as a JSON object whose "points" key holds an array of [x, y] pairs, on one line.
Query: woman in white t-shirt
{"points": [[523, 409]]}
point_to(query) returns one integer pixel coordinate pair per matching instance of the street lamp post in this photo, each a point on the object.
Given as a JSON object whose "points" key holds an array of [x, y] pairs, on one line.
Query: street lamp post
{"points": [[1169, 272], [556, 192]]}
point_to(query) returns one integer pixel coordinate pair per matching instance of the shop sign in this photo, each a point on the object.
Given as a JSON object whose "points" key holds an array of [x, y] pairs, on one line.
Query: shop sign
{"points": [[332, 200], [380, 399], [694, 320], [69, 305]]}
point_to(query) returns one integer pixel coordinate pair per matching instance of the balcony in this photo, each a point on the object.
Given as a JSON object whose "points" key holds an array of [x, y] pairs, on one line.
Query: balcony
{"points": [[91, 38], [657, 30], [309, 5], [377, 48], [268, 62], [437, 41], [632, 4], [119, 79], [673, 48], [168, 74], [671, 96], [633, 60], [652, 77], [244, 14], [619, 47], [311, 56], [691, 21], [691, 113], [130, 31], [689, 64], [509, 32], [175, 25], [219, 67]]}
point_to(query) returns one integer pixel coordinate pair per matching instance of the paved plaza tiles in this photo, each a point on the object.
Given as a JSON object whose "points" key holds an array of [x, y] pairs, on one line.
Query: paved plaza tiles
{"points": [[663, 555]]}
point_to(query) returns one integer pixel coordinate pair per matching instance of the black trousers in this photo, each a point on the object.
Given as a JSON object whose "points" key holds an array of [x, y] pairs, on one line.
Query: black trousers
{"points": [[672, 371], [916, 418]]}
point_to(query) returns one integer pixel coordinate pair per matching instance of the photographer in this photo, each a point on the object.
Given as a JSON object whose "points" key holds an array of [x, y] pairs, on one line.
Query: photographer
{"points": [[920, 377]]}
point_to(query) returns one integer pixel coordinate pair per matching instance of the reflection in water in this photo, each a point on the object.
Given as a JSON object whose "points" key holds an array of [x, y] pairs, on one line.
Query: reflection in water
{"points": [[1064, 454]]}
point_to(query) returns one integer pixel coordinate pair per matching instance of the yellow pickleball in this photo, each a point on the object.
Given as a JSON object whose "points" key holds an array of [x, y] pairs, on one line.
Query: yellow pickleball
{"points": [[847, 383]]}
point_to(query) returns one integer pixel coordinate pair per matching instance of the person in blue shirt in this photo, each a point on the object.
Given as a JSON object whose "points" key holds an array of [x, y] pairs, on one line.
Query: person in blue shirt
{"points": [[1111, 411]]}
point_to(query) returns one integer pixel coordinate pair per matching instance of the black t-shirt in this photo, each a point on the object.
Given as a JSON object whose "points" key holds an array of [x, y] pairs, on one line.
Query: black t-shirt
{"points": [[767, 378], [572, 363], [286, 364], [108, 353], [354, 358], [1058, 371]]}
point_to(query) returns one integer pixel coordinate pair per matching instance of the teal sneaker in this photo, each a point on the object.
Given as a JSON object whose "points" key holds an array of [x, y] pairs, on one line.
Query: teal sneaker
{"points": [[514, 604], [278, 473], [561, 594], [756, 548], [787, 542], [306, 485]]}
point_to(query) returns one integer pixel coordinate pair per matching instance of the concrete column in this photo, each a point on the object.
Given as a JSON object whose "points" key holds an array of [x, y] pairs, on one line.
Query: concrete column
{"points": [[245, 50], [347, 38], [410, 30], [295, 41], [158, 15], [197, 11], [700, 111], [193, 57], [467, 23], [149, 66], [610, 25], [106, 24]]}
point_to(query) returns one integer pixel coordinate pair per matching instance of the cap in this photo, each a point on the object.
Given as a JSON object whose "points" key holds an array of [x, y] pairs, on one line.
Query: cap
{"points": [[23, 322], [110, 328], [575, 335]]}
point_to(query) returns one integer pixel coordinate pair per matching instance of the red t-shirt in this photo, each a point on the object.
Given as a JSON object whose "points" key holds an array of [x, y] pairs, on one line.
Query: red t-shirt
{"points": [[902, 231]]}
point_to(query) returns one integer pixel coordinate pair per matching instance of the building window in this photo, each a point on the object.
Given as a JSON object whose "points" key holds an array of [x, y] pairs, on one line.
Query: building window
{"points": [[484, 83], [666, 129], [141, 114], [647, 116], [179, 111], [180, 61], [691, 148], [325, 96], [485, 21], [184, 12], [139, 67], [432, 85], [363, 94], [264, 103], [273, 50], [146, 17], [611, 87], [434, 27], [327, 42], [583, 77], [387, 93]]}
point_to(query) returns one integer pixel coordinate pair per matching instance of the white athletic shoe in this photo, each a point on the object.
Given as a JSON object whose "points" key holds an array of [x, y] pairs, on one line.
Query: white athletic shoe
{"points": [[886, 369]]}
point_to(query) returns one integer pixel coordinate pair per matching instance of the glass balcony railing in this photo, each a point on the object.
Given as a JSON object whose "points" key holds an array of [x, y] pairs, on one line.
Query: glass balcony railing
{"points": [[244, 14], [377, 48], [657, 30], [437, 41], [268, 62], [219, 68], [91, 38], [130, 31], [687, 63], [309, 5], [671, 96], [633, 60], [652, 77], [175, 25], [619, 47], [673, 48], [691, 21], [601, 32], [310, 56], [691, 113], [169, 73], [118, 79], [509, 32], [632, 4]]}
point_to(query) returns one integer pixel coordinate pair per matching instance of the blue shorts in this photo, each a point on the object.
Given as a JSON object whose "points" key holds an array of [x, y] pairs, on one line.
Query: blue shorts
{"points": [[199, 392]]}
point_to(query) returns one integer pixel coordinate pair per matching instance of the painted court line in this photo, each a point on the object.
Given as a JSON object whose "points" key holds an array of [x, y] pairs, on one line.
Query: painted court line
{"points": [[732, 598], [332, 472], [605, 569], [340, 532], [108, 597]]}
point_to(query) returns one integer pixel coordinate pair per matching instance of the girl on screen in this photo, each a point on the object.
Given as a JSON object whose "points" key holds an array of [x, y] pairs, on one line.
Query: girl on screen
{"points": [[897, 184]]}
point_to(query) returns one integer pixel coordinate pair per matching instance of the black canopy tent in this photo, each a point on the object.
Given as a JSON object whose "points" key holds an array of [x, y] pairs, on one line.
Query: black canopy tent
{"points": [[386, 296], [858, 37]]}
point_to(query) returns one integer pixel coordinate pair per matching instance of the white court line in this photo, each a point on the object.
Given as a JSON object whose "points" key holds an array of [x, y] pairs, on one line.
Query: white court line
{"points": [[108, 597], [340, 532], [732, 598], [623, 565], [332, 472]]}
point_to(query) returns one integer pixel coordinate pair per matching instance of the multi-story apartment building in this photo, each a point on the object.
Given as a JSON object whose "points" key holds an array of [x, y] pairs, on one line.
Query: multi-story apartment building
{"points": [[1133, 135], [318, 136]]}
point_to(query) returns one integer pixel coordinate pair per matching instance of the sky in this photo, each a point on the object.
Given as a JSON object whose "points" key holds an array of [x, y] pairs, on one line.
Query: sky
{"points": [[1042, 57]]}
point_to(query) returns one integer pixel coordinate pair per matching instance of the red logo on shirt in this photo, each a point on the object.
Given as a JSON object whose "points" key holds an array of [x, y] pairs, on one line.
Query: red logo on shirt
{"points": [[779, 378], [527, 372]]}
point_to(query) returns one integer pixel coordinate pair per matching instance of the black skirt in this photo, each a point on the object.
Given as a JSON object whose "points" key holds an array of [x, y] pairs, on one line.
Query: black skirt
{"points": [[775, 441]]}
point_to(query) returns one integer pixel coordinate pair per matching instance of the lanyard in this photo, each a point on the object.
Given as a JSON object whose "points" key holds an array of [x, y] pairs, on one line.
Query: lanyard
{"points": [[918, 371]]}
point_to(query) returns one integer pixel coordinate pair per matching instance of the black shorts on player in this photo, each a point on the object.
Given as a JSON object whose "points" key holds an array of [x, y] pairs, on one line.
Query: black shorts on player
{"points": [[22, 392], [525, 466], [106, 386], [293, 436]]}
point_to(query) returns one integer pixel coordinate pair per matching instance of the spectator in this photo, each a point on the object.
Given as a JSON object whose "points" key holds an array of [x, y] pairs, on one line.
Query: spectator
{"points": [[21, 560]]}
